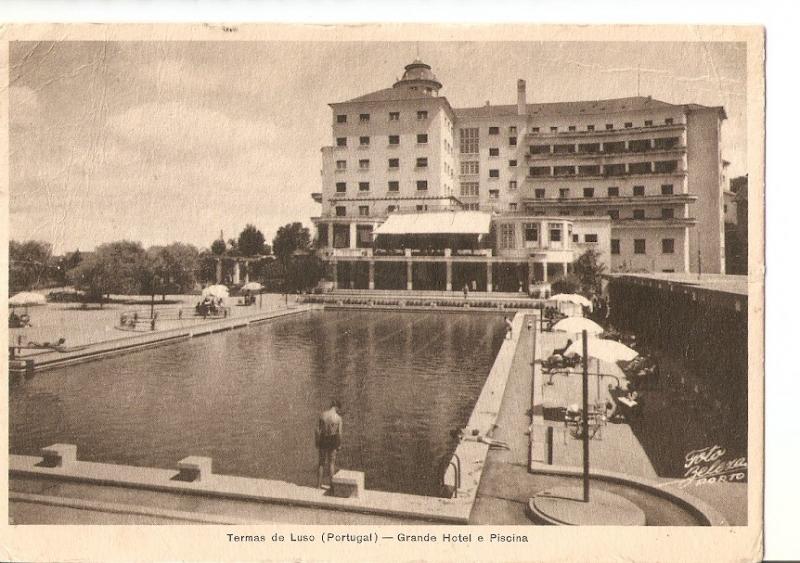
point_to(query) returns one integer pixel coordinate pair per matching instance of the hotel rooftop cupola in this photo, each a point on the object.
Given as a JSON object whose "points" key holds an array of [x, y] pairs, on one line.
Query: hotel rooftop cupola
{"points": [[419, 77]]}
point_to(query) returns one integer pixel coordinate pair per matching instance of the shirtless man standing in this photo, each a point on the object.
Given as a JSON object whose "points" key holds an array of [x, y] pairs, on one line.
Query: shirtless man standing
{"points": [[328, 439]]}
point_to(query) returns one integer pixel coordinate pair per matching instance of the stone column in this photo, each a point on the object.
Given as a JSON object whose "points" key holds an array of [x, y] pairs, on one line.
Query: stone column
{"points": [[247, 272], [531, 277], [449, 284], [330, 235], [237, 270], [409, 275], [372, 274], [352, 235], [544, 271], [219, 270], [566, 268], [335, 275], [489, 276]]}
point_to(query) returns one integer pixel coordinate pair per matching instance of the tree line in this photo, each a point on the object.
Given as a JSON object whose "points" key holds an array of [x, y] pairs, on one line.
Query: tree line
{"points": [[125, 267]]}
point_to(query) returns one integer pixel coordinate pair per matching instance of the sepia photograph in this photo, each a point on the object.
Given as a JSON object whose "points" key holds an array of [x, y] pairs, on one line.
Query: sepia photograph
{"points": [[414, 283]]}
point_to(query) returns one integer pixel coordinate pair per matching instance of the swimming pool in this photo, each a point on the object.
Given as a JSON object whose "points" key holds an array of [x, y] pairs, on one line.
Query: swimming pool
{"points": [[249, 398]]}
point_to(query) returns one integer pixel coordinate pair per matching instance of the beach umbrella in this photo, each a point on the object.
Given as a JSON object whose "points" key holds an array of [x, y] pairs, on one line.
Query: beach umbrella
{"points": [[576, 325], [26, 299], [572, 298], [252, 286], [604, 350], [218, 291]]}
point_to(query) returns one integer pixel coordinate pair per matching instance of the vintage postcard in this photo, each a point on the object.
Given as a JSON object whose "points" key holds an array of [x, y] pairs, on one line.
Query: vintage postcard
{"points": [[400, 292]]}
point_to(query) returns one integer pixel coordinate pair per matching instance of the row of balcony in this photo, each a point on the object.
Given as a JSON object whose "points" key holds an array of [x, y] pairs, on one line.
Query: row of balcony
{"points": [[604, 132]]}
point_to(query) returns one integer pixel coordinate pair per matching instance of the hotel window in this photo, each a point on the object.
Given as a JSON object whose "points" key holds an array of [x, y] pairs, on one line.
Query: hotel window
{"points": [[555, 232], [422, 115], [472, 207], [613, 214], [576, 238], [669, 121], [494, 194], [469, 167], [639, 168], [563, 193], [341, 187], [648, 122], [512, 163], [341, 211], [590, 237], [494, 152], [666, 143], [363, 164], [538, 193], [666, 166], [363, 210], [394, 139], [494, 173], [421, 207], [539, 212], [341, 141], [638, 213], [638, 191], [394, 186], [342, 118], [667, 245], [563, 149], [534, 129], [469, 189], [394, 116], [422, 185], [469, 140], [667, 213], [564, 212], [512, 130], [572, 128], [554, 129], [531, 232], [512, 141], [539, 149], [589, 147], [341, 165], [614, 246], [590, 127], [494, 130], [588, 192], [639, 246], [609, 126], [613, 191], [539, 171], [422, 138], [391, 209], [512, 207], [512, 184], [628, 125], [363, 186], [422, 162], [587, 213], [507, 236], [640, 145], [363, 141], [563, 170], [615, 146], [394, 163], [363, 117]]}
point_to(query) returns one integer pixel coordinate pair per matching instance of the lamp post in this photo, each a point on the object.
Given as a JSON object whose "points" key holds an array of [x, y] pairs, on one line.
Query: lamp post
{"points": [[585, 416]]}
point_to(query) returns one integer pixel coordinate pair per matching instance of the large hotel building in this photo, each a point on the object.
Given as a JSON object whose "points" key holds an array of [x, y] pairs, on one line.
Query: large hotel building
{"points": [[418, 194]]}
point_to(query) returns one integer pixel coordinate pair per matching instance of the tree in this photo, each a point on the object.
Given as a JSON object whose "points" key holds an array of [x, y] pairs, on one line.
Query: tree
{"points": [[303, 272], [115, 267], [29, 263], [251, 242], [589, 271], [566, 284], [218, 247], [289, 239], [170, 267]]}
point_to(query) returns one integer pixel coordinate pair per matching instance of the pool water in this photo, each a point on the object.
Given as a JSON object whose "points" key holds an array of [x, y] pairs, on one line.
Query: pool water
{"points": [[250, 398]]}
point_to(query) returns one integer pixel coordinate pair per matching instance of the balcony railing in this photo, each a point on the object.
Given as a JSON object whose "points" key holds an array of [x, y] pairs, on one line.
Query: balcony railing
{"points": [[604, 132], [602, 153], [549, 177]]}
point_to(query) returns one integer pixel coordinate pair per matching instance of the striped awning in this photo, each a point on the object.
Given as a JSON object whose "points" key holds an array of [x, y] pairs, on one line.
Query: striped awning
{"points": [[437, 223]]}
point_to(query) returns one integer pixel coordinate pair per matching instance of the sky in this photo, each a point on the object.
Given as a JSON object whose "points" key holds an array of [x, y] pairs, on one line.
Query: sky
{"points": [[176, 141]]}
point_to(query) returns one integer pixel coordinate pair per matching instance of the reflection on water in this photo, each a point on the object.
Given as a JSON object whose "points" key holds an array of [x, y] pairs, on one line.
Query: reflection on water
{"points": [[249, 398]]}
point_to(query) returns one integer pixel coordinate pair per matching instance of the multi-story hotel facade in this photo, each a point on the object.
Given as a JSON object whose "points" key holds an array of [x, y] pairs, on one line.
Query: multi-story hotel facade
{"points": [[497, 195]]}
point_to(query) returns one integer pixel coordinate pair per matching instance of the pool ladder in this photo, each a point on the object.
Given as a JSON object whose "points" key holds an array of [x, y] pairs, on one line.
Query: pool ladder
{"points": [[455, 463]]}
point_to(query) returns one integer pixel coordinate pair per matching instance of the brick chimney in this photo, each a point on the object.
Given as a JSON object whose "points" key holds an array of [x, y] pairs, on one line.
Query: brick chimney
{"points": [[522, 105]]}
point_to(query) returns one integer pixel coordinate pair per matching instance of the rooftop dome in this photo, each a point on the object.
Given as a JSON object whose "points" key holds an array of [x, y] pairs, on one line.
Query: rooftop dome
{"points": [[419, 75]]}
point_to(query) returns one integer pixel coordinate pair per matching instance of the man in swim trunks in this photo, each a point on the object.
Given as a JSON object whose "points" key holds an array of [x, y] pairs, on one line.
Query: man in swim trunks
{"points": [[328, 439]]}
